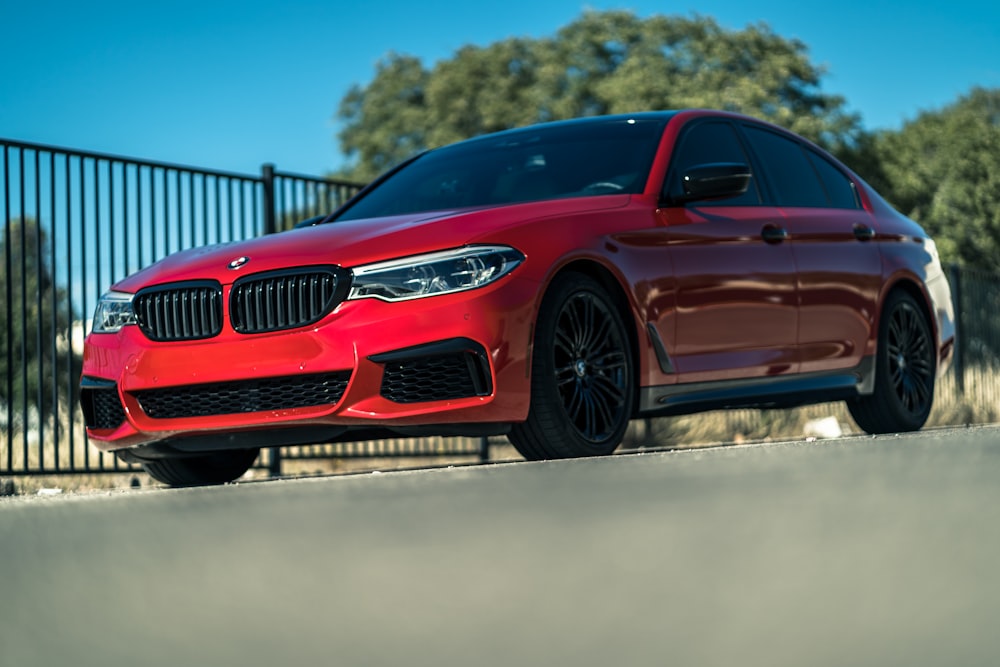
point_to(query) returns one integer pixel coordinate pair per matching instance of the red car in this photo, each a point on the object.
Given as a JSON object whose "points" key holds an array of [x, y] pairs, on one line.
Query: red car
{"points": [[549, 283]]}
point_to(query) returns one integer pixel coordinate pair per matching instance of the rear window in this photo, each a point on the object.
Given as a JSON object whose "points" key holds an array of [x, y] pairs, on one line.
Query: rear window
{"points": [[793, 179], [544, 162], [838, 187]]}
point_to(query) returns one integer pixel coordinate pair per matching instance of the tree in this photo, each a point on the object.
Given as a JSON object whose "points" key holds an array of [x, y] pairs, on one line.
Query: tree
{"points": [[943, 170], [392, 109], [604, 62], [34, 318]]}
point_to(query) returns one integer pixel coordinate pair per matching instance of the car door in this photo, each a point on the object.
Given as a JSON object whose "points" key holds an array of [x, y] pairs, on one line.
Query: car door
{"points": [[833, 241], [736, 314]]}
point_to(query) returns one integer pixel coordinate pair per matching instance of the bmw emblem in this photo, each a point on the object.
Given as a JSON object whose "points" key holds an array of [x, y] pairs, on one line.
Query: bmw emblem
{"points": [[238, 262]]}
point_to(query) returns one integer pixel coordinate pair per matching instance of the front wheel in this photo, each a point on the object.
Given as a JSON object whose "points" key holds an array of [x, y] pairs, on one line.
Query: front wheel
{"points": [[904, 371], [582, 394], [205, 469]]}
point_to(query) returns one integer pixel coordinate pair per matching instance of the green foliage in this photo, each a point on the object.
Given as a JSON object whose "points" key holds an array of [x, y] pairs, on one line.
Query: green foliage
{"points": [[604, 62], [943, 170], [391, 107], [35, 366]]}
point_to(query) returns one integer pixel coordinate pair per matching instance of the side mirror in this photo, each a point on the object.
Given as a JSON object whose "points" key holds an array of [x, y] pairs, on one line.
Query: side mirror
{"points": [[720, 180]]}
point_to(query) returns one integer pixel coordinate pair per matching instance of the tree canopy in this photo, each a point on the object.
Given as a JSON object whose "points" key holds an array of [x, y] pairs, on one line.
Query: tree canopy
{"points": [[604, 62], [943, 170]]}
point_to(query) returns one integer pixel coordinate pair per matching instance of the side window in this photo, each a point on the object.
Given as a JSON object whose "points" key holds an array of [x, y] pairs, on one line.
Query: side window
{"points": [[708, 143], [838, 186], [793, 179]]}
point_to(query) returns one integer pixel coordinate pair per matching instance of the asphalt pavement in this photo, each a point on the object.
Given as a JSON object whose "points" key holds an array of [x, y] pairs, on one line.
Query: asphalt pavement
{"points": [[860, 551]]}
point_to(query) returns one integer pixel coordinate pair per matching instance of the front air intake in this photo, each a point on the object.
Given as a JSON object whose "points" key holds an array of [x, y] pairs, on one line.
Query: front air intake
{"points": [[102, 409], [240, 396], [441, 371]]}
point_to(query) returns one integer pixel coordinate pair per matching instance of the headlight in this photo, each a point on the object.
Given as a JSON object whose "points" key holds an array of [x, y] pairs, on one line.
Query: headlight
{"points": [[114, 310], [436, 273]]}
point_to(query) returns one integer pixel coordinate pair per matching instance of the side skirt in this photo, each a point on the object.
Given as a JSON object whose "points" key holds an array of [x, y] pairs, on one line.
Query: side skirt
{"points": [[784, 391]]}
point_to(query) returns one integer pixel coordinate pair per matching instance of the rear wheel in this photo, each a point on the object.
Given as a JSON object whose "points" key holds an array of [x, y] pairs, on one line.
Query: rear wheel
{"points": [[582, 378], [205, 469], [904, 371]]}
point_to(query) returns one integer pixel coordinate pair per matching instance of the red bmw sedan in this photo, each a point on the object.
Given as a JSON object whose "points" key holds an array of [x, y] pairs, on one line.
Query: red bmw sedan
{"points": [[548, 283]]}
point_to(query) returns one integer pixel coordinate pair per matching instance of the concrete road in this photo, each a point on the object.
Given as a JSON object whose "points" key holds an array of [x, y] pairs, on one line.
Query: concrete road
{"points": [[866, 551]]}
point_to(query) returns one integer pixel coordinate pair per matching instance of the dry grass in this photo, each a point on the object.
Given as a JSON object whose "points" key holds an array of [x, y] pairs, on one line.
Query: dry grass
{"points": [[979, 404]]}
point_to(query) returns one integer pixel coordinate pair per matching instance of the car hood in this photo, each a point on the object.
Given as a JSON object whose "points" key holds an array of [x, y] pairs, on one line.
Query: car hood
{"points": [[356, 242]]}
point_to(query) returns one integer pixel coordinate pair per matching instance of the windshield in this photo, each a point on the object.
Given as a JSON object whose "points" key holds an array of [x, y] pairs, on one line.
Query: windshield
{"points": [[544, 162]]}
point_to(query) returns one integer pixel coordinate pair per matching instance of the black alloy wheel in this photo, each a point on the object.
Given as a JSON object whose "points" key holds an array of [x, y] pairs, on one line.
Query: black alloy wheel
{"points": [[905, 371], [582, 394], [911, 360]]}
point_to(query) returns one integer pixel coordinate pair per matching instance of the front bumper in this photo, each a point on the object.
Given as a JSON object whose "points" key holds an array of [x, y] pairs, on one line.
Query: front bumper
{"points": [[427, 365]]}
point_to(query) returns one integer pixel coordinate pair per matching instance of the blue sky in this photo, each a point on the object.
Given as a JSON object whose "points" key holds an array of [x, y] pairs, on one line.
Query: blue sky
{"points": [[233, 84]]}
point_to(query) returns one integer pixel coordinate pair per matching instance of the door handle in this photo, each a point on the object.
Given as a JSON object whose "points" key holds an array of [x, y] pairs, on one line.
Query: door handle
{"points": [[864, 232], [773, 233]]}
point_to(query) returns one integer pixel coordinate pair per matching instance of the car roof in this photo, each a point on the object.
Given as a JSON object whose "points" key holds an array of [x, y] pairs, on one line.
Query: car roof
{"points": [[576, 122]]}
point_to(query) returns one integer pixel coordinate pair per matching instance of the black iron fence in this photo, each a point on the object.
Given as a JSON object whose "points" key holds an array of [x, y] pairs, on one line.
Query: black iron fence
{"points": [[75, 222]]}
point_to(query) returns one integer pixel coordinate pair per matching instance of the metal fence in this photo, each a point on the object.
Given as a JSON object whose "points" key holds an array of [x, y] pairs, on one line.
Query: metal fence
{"points": [[75, 222], [976, 369]]}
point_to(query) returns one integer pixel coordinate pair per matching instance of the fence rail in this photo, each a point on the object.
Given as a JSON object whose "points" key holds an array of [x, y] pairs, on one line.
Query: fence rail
{"points": [[76, 222]]}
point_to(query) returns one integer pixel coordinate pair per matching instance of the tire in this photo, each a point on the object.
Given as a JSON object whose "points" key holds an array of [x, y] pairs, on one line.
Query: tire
{"points": [[582, 380], [206, 469], [905, 370]]}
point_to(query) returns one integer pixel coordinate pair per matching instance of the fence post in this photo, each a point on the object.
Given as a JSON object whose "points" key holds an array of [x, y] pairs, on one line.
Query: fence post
{"points": [[484, 449], [958, 359], [270, 215], [274, 462], [270, 227]]}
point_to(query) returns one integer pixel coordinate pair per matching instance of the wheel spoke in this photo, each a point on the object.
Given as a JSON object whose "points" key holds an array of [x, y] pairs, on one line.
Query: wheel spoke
{"points": [[907, 400], [895, 334], [575, 404], [570, 333], [585, 332], [921, 367], [897, 377], [610, 360], [921, 357], [921, 389], [565, 375], [913, 333], [610, 390], [601, 335], [594, 407], [590, 413], [564, 343]]}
